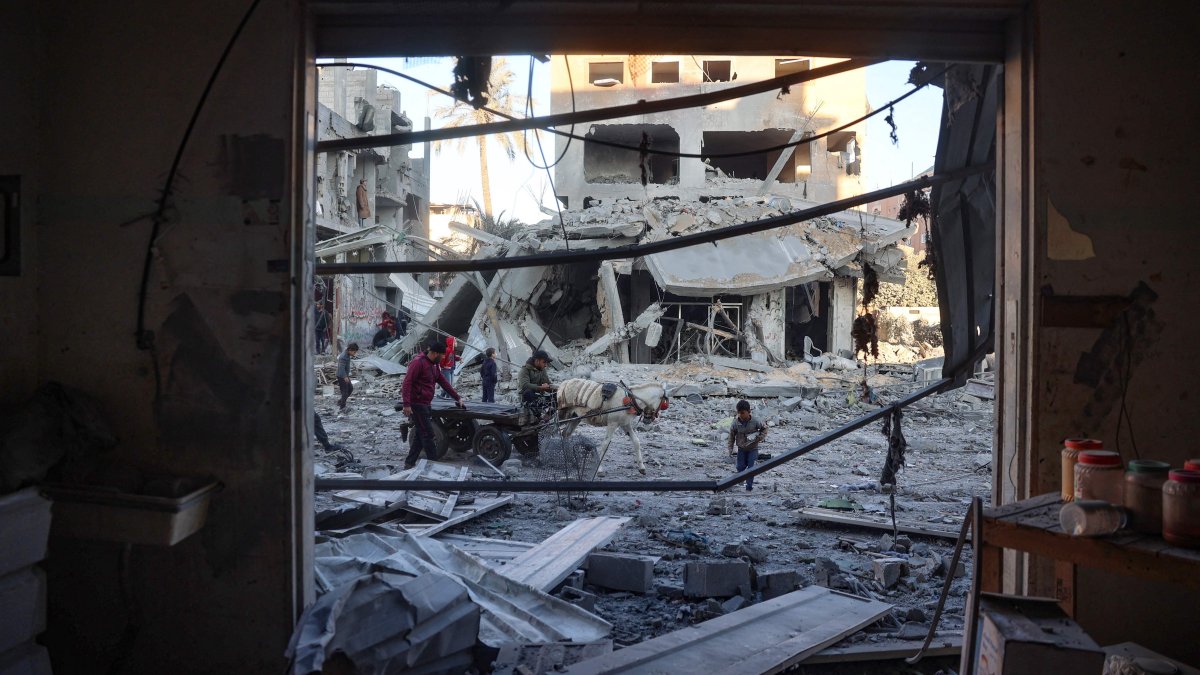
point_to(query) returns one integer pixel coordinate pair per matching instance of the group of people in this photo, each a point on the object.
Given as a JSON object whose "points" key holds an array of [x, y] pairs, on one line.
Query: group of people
{"points": [[390, 329]]}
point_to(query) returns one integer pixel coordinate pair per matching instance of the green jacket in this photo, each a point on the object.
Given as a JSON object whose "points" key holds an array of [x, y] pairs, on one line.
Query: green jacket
{"points": [[530, 378]]}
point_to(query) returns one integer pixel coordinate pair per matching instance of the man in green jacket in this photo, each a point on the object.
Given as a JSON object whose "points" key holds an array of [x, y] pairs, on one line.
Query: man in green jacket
{"points": [[533, 379]]}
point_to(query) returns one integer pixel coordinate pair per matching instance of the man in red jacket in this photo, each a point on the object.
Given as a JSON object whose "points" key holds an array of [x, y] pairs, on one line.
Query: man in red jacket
{"points": [[417, 394]]}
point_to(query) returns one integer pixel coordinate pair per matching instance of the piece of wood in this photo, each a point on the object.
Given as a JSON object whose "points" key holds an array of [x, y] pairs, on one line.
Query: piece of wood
{"points": [[872, 522], [460, 515], [544, 566], [890, 650], [980, 389], [761, 639], [715, 331]]}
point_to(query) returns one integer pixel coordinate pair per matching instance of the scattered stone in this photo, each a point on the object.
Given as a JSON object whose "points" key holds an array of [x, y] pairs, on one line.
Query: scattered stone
{"points": [[913, 630], [668, 590], [716, 579], [511, 468], [649, 521], [887, 570], [749, 551], [886, 542], [920, 548], [916, 614], [578, 597], [562, 513], [719, 506], [827, 573], [621, 572], [575, 579], [775, 584], [733, 604], [903, 544]]}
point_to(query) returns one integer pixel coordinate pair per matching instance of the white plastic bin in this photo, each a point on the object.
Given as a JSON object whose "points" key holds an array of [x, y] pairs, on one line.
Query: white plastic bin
{"points": [[24, 529]]}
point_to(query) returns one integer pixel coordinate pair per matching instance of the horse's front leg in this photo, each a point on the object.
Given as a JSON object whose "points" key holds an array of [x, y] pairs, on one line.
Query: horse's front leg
{"points": [[637, 446], [608, 435]]}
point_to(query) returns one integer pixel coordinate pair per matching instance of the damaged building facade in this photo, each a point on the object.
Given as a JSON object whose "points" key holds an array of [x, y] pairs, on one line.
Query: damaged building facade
{"points": [[375, 223]]}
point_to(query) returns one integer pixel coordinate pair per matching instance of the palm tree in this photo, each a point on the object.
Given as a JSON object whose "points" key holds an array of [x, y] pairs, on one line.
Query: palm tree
{"points": [[502, 99]]}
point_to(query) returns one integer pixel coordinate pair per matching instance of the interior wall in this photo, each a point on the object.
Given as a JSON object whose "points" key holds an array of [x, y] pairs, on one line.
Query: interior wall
{"points": [[216, 396], [1113, 207], [20, 46]]}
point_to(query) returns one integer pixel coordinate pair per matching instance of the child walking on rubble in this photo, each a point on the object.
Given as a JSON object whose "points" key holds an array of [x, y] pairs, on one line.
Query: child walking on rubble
{"points": [[343, 374], [746, 433]]}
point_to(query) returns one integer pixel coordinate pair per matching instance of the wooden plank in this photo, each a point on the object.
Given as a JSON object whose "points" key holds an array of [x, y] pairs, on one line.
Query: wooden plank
{"points": [[544, 566], [435, 505], [761, 639], [460, 515], [885, 651], [381, 498], [885, 524]]}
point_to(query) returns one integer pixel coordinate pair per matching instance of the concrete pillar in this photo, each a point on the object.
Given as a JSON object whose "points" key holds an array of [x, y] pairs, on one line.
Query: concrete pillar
{"points": [[611, 313], [842, 301], [765, 321]]}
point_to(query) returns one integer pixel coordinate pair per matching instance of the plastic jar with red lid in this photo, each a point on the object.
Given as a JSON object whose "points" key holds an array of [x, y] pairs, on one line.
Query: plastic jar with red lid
{"points": [[1192, 464], [1099, 474], [1181, 508], [1070, 455]]}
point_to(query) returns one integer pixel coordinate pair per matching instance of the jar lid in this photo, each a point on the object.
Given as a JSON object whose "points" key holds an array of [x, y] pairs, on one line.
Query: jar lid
{"points": [[1083, 444], [1100, 458], [1185, 476], [1192, 464], [1147, 466]]}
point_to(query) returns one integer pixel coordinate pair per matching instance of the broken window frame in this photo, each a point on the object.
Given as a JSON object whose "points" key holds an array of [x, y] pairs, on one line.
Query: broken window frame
{"points": [[602, 71], [716, 64]]}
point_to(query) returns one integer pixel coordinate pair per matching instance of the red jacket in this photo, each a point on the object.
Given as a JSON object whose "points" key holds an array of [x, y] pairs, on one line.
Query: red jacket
{"points": [[449, 358], [419, 382]]}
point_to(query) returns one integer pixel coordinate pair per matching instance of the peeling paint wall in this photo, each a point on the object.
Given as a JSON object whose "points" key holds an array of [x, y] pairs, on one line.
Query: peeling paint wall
{"points": [[217, 395]]}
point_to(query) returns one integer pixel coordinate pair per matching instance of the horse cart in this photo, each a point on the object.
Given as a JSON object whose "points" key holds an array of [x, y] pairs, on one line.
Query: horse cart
{"points": [[491, 430]]}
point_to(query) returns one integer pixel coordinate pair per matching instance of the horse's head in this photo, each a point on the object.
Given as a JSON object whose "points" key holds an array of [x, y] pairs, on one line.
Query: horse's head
{"points": [[651, 399]]}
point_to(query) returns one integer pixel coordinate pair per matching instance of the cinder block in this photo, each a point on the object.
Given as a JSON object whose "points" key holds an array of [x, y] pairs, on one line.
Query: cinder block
{"points": [[716, 579], [621, 572], [888, 570], [775, 584], [575, 596]]}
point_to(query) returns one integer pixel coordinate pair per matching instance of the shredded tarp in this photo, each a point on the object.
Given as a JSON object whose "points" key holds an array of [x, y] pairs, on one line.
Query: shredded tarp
{"points": [[511, 612]]}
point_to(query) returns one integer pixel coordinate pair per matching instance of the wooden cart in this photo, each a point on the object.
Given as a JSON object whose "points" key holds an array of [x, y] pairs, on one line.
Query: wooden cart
{"points": [[491, 430]]}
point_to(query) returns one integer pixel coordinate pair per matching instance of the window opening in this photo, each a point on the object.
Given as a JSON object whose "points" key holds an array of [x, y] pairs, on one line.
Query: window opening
{"points": [[606, 73], [790, 66], [603, 164], [664, 71], [718, 71]]}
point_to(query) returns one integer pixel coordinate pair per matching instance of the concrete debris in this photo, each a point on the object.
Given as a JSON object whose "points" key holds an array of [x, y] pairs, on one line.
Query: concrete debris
{"points": [[716, 579], [621, 572], [775, 584]]}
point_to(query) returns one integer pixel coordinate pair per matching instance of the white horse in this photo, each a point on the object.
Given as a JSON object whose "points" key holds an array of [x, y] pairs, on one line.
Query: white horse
{"points": [[578, 398]]}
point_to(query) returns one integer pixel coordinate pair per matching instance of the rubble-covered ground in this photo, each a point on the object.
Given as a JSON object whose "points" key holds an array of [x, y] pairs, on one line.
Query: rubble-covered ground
{"points": [[948, 462]]}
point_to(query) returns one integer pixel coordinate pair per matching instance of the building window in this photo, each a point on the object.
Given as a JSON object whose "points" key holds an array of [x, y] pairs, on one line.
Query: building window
{"points": [[758, 165], [664, 71], [605, 164], [606, 73], [790, 66], [718, 71]]}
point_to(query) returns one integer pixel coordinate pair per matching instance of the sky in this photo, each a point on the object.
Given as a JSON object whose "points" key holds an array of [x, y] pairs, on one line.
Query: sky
{"points": [[517, 186]]}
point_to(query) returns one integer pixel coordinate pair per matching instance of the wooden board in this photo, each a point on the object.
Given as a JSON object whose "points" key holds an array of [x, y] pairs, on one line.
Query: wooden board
{"points": [[461, 514], [381, 498], [875, 522], [435, 505], [493, 552], [886, 651], [761, 639], [544, 566]]}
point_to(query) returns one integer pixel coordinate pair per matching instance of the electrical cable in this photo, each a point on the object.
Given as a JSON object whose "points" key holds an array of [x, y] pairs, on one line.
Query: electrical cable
{"points": [[659, 246], [529, 113], [481, 130], [145, 340]]}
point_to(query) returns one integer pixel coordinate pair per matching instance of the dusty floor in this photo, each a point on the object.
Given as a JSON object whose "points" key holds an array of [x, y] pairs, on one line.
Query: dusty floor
{"points": [[948, 462]]}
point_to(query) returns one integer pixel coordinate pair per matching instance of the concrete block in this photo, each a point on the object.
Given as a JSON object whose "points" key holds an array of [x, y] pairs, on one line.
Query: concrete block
{"points": [[669, 591], [716, 579], [775, 584], [733, 604], [827, 573], [621, 572], [583, 599], [888, 570]]}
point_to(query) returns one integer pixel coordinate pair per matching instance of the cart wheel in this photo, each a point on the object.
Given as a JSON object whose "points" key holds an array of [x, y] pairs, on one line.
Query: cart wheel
{"points": [[460, 434], [492, 444], [440, 438], [527, 444]]}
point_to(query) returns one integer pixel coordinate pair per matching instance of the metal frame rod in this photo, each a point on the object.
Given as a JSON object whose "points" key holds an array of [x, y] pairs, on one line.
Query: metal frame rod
{"points": [[649, 248], [330, 484], [595, 115]]}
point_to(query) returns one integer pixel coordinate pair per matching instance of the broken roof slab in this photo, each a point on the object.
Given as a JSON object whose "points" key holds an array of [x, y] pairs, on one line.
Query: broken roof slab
{"points": [[747, 265]]}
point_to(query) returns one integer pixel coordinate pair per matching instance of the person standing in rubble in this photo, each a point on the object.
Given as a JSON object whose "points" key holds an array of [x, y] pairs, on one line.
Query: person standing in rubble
{"points": [[487, 375], [449, 359], [533, 379], [746, 433], [321, 324], [362, 201], [416, 396], [343, 374]]}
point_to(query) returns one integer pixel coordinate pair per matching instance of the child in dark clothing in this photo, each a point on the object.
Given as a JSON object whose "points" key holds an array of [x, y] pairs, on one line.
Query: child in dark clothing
{"points": [[746, 433], [343, 373], [487, 373]]}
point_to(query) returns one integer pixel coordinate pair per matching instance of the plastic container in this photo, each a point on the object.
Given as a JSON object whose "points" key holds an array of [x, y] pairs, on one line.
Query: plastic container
{"points": [[24, 529], [23, 597], [1144, 479], [1192, 464], [1070, 454], [1181, 508], [1099, 475], [1092, 518], [108, 515]]}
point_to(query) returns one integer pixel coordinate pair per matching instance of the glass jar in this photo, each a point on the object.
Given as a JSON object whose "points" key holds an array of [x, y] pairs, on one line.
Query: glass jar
{"points": [[1181, 508], [1144, 479], [1070, 454], [1099, 475]]}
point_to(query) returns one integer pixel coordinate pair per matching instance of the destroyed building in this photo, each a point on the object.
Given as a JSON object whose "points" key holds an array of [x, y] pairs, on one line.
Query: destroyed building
{"points": [[396, 200]]}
